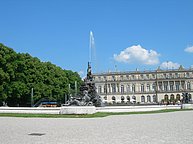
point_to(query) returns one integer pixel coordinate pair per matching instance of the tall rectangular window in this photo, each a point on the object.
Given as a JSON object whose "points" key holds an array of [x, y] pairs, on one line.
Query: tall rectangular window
{"points": [[142, 88], [171, 87], [133, 88], [100, 89], [105, 89], [148, 87], [128, 88], [122, 88], [113, 88], [188, 86], [165, 87], [154, 86], [177, 87]]}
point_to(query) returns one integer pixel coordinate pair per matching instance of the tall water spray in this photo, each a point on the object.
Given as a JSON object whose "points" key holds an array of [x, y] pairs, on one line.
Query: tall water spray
{"points": [[92, 51]]}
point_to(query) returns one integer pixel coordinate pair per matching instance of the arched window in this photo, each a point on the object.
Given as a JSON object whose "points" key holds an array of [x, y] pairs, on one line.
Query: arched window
{"points": [[172, 97], [133, 99], [154, 98], [142, 87], [105, 97], [178, 97], [122, 98], [128, 98], [113, 98], [142, 99], [166, 97], [148, 98]]}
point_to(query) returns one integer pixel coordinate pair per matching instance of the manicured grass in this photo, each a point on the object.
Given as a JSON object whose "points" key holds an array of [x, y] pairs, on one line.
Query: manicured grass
{"points": [[98, 114]]}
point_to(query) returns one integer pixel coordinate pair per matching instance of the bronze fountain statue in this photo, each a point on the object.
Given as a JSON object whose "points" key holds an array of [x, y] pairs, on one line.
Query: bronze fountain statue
{"points": [[88, 94]]}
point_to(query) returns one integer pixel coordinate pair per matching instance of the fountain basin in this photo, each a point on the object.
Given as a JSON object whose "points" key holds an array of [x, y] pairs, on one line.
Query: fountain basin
{"points": [[77, 110], [187, 106]]}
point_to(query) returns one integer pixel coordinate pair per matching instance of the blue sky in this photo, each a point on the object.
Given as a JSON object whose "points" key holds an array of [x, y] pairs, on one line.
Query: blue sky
{"points": [[128, 34]]}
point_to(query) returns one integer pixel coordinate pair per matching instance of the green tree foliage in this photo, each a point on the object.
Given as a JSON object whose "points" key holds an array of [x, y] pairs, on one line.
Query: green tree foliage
{"points": [[19, 73]]}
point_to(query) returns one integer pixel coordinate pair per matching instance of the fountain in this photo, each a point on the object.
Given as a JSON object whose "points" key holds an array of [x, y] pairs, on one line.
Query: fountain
{"points": [[88, 99], [88, 95]]}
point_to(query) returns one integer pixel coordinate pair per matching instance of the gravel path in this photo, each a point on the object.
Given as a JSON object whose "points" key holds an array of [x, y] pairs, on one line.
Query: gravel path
{"points": [[165, 128]]}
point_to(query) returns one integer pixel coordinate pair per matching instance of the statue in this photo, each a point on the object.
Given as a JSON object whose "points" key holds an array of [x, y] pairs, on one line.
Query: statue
{"points": [[186, 97], [88, 95]]}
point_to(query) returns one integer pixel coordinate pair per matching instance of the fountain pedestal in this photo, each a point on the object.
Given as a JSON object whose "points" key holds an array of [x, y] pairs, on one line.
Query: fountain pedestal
{"points": [[77, 110], [187, 106]]}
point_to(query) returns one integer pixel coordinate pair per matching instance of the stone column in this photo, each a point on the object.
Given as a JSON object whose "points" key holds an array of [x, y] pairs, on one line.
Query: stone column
{"points": [[157, 86], [145, 87], [137, 87], [125, 88], [117, 86], [185, 85], [162, 86], [174, 86], [109, 88], [180, 85], [168, 86], [103, 90], [130, 88]]}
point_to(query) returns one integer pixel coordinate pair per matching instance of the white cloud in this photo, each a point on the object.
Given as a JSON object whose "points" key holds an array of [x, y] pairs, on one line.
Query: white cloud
{"points": [[189, 49], [169, 65], [137, 54]]}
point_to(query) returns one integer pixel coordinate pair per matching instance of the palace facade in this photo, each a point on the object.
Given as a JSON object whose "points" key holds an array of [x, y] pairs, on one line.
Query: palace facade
{"points": [[144, 86]]}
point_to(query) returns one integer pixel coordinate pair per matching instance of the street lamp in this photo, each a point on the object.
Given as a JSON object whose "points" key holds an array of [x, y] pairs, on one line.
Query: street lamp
{"points": [[156, 86], [32, 100]]}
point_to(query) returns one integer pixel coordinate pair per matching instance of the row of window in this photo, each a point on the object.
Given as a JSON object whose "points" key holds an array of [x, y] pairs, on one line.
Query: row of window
{"points": [[147, 99], [172, 97], [145, 76], [133, 98], [161, 87]]}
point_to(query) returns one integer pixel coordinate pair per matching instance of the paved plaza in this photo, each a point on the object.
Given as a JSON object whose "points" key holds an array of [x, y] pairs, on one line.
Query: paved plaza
{"points": [[164, 128]]}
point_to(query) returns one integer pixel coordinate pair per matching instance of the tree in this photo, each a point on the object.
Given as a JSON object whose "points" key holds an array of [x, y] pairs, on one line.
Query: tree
{"points": [[20, 72]]}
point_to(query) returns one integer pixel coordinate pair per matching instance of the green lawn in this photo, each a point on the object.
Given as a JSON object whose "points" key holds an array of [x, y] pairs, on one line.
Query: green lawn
{"points": [[98, 114]]}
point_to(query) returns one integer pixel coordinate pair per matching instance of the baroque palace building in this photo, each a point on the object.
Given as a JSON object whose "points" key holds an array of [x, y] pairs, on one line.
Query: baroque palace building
{"points": [[144, 86]]}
